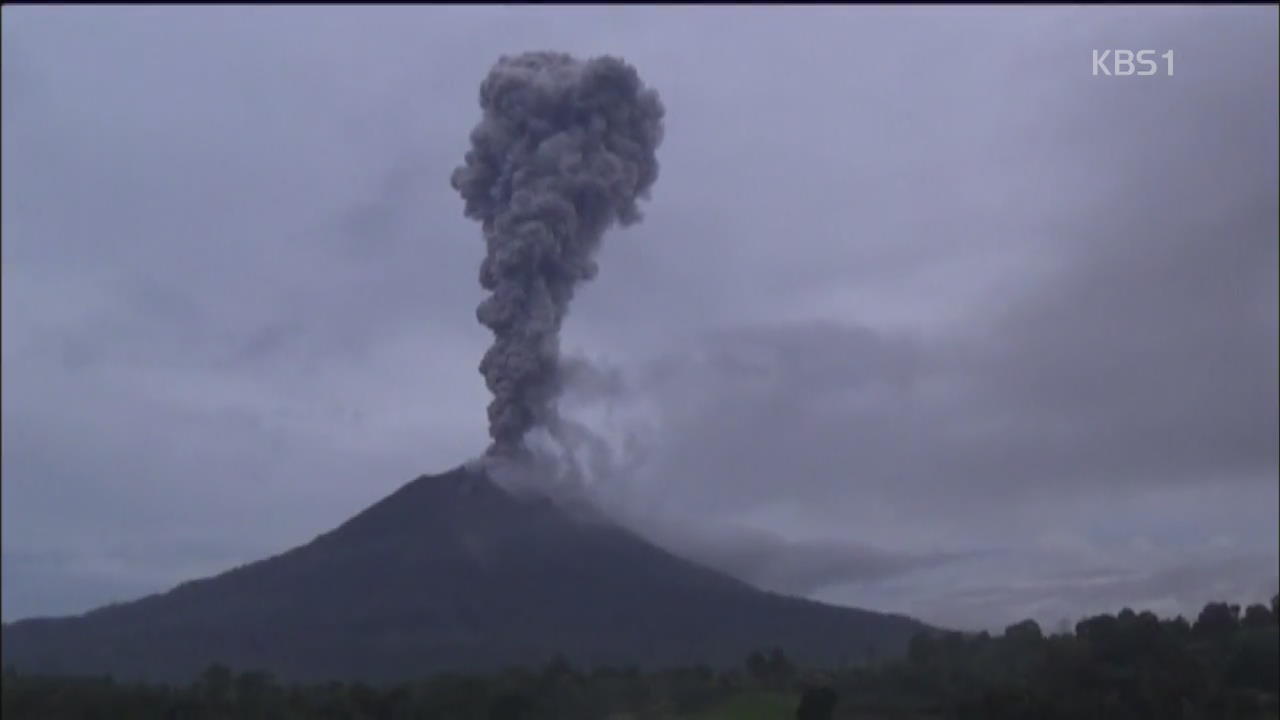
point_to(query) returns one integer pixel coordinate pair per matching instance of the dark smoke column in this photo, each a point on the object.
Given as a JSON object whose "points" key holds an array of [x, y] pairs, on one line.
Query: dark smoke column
{"points": [[565, 149]]}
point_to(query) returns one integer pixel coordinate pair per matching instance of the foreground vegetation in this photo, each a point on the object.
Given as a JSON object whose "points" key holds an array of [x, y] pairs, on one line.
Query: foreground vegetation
{"points": [[1131, 666]]}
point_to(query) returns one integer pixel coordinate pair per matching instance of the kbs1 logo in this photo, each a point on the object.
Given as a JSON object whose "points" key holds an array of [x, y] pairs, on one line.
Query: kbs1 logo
{"points": [[1123, 63]]}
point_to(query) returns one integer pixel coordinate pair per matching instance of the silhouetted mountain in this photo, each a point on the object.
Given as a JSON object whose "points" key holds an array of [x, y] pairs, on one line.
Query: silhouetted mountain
{"points": [[451, 572]]}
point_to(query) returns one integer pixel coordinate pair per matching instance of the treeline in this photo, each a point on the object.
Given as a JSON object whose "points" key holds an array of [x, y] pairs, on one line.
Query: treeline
{"points": [[1120, 667], [1225, 664]]}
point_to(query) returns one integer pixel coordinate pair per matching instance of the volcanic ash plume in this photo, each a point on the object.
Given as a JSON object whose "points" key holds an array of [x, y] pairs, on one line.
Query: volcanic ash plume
{"points": [[565, 149]]}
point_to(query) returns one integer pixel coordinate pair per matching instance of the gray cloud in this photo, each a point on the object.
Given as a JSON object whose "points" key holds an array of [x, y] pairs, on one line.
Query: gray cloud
{"points": [[939, 323], [771, 561]]}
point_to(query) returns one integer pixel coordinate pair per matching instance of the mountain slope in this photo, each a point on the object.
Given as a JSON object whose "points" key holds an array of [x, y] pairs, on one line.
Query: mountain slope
{"points": [[450, 572]]}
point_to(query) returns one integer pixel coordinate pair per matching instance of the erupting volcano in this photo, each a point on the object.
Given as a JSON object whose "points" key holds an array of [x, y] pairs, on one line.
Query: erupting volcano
{"points": [[456, 572]]}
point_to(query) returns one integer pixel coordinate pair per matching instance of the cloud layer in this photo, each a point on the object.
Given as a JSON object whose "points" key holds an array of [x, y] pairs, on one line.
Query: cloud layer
{"points": [[923, 316]]}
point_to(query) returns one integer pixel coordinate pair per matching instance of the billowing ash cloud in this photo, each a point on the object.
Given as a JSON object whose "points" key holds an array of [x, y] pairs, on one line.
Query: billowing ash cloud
{"points": [[565, 149]]}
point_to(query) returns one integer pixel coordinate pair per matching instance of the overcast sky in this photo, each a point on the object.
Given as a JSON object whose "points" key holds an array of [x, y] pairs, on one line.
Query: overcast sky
{"points": [[923, 316]]}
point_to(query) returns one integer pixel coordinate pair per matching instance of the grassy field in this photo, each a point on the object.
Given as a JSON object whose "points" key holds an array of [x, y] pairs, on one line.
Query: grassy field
{"points": [[753, 706]]}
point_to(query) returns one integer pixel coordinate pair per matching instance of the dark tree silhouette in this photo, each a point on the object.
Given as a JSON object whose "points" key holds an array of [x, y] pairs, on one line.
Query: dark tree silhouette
{"points": [[1131, 666], [511, 706], [817, 704]]}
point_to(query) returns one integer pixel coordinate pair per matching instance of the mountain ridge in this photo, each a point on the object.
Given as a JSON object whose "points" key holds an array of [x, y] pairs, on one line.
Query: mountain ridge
{"points": [[450, 572]]}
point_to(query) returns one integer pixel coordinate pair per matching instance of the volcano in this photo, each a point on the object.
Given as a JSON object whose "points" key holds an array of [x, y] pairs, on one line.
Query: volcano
{"points": [[451, 572]]}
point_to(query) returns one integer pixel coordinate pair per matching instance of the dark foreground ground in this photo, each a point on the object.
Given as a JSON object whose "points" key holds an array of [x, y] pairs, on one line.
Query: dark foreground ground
{"points": [[1129, 666]]}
